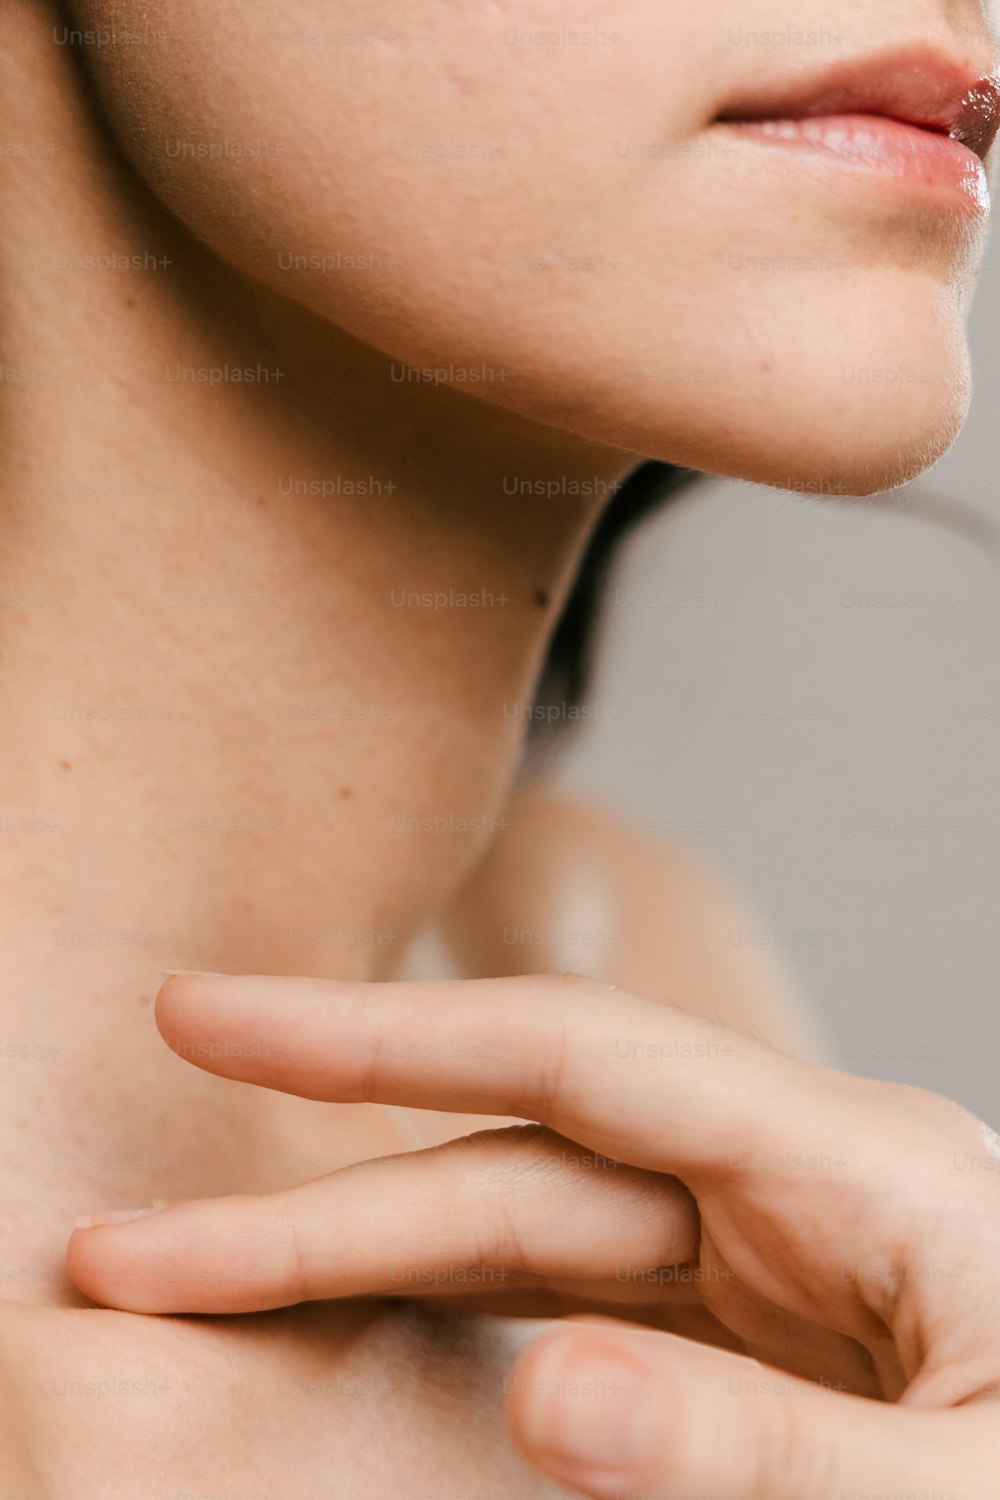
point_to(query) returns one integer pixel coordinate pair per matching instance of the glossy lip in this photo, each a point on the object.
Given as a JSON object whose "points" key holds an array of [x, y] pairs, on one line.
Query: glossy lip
{"points": [[939, 169], [918, 86]]}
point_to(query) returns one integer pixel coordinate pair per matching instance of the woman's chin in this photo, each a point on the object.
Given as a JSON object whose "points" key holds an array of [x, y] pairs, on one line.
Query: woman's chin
{"points": [[877, 437], [884, 439], [859, 398], [855, 423]]}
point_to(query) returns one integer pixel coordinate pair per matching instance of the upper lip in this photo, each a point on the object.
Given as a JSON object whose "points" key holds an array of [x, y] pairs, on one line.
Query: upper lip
{"points": [[920, 86]]}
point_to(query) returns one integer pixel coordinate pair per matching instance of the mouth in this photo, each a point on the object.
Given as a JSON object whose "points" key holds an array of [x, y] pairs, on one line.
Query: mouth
{"points": [[914, 114], [918, 87]]}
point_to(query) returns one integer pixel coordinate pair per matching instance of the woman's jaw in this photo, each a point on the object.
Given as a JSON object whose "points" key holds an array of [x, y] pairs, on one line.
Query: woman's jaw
{"points": [[583, 227]]}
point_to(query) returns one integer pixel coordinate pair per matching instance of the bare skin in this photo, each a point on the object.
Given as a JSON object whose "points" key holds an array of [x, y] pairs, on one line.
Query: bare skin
{"points": [[828, 1226], [96, 1112], [571, 887], [139, 715], [221, 728]]}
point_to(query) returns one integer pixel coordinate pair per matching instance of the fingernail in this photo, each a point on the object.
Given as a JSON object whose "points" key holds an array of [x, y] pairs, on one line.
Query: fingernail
{"points": [[120, 1215], [588, 1407], [175, 973]]}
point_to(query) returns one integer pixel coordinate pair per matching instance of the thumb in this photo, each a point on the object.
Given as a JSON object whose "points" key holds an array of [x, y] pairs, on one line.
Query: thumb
{"points": [[616, 1412]]}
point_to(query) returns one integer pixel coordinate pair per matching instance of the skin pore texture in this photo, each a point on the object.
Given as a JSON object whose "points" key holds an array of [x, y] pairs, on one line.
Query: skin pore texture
{"points": [[227, 706], [459, 153]]}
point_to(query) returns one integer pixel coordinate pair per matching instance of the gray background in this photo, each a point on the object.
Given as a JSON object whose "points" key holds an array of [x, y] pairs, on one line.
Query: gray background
{"points": [[808, 694]]}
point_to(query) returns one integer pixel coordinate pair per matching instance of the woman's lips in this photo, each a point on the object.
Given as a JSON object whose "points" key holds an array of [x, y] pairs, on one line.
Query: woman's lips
{"points": [[978, 119], [913, 85], [921, 159], [913, 115]]}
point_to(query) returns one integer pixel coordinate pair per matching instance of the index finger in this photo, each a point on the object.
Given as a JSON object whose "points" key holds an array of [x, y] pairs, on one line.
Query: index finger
{"points": [[632, 1078]]}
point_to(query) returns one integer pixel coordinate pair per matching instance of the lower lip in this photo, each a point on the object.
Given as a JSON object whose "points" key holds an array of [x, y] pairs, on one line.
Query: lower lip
{"points": [[924, 161]]}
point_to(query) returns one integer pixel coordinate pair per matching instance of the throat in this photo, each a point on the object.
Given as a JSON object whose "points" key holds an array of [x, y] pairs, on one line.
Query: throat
{"points": [[256, 643]]}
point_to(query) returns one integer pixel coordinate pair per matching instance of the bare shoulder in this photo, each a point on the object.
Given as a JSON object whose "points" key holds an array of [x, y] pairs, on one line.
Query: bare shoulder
{"points": [[570, 885]]}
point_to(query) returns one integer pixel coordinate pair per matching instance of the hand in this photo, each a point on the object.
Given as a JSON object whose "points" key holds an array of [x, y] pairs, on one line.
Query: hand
{"points": [[620, 1413], [815, 1220]]}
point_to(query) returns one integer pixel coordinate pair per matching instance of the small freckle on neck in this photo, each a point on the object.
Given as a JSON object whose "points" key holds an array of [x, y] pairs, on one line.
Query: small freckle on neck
{"points": [[345, 793], [64, 765], [542, 599]]}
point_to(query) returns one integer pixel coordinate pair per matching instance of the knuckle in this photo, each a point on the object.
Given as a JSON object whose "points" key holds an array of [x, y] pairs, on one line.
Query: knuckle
{"points": [[501, 1241], [550, 1071], [500, 1158], [556, 988], [293, 1262], [939, 1119], [531, 1136], [522, 1165], [786, 1448], [570, 985]]}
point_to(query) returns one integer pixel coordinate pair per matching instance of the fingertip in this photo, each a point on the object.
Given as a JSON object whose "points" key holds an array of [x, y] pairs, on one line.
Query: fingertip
{"points": [[583, 1409], [206, 1255], [176, 982], [189, 1000], [102, 1264]]}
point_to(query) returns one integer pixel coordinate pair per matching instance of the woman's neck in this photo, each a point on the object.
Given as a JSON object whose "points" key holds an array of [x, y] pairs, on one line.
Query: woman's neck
{"points": [[257, 636]]}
